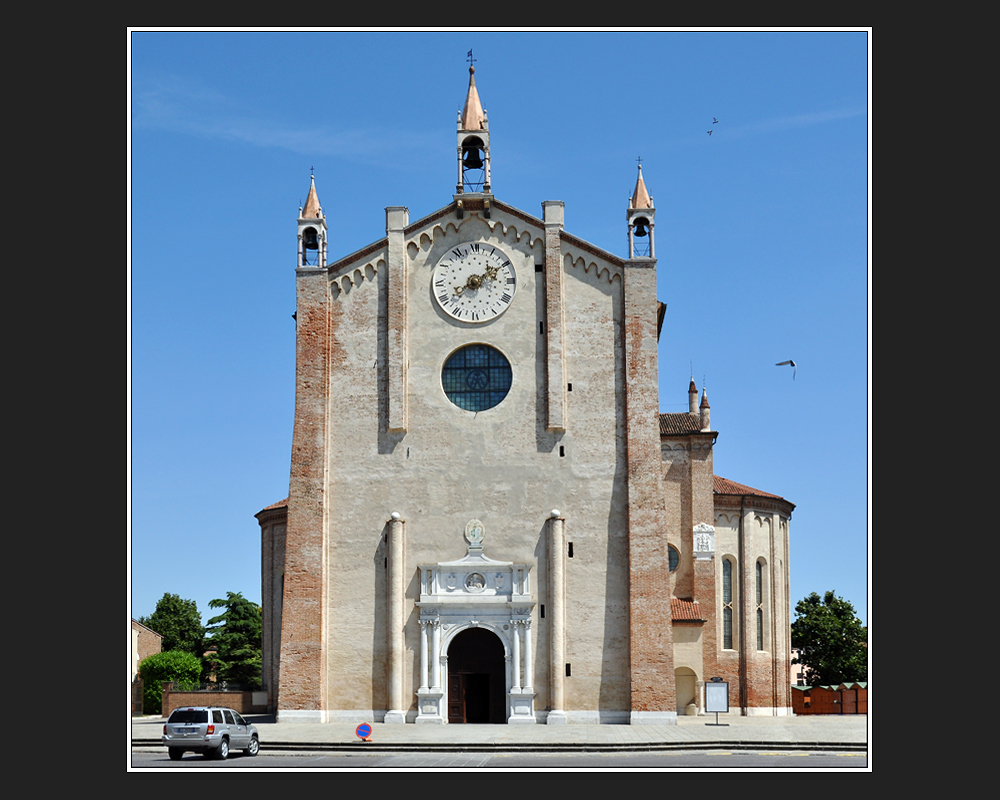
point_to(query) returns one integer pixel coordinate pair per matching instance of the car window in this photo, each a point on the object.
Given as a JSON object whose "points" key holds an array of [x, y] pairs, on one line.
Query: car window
{"points": [[217, 717], [189, 716], [229, 717], [239, 719]]}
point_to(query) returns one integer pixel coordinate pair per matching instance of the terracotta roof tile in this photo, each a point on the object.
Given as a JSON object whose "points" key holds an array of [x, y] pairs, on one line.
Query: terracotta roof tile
{"points": [[679, 424], [685, 610], [723, 486]]}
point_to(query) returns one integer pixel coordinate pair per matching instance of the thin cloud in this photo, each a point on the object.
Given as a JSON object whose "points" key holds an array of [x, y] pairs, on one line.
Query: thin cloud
{"points": [[166, 103], [798, 121]]}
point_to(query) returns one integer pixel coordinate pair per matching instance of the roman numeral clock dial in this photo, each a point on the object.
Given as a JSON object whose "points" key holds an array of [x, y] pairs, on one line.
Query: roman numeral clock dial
{"points": [[474, 282]]}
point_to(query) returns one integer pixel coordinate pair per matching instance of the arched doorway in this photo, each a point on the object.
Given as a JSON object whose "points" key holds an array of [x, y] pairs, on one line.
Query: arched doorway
{"points": [[477, 683], [685, 682]]}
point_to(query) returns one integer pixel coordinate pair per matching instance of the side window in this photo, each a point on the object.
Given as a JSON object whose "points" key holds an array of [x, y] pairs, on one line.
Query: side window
{"points": [[229, 717], [217, 716], [727, 604], [760, 595]]}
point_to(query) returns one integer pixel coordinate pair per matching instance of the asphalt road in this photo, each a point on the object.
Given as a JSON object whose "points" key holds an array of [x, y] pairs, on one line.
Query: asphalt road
{"points": [[698, 759]]}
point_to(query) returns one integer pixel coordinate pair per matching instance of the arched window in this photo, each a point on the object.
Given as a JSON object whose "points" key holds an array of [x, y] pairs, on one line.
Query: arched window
{"points": [[759, 577], [727, 604]]}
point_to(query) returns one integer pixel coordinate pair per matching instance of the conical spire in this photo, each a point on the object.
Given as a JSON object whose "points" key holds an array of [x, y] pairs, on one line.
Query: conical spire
{"points": [[640, 197], [473, 118], [706, 411], [312, 208]]}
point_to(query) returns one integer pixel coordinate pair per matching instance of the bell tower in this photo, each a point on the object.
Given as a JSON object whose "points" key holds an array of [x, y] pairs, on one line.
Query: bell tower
{"points": [[312, 231], [473, 142], [640, 221]]}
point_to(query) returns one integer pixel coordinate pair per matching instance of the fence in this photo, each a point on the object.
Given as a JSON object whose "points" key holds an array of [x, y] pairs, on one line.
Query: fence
{"points": [[845, 698]]}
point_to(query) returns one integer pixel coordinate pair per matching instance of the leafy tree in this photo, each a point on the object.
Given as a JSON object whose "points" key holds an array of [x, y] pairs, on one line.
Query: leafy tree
{"points": [[831, 640], [235, 635], [170, 665], [179, 623]]}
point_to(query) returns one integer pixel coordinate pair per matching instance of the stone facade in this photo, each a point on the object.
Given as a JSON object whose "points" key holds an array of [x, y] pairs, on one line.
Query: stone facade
{"points": [[488, 519]]}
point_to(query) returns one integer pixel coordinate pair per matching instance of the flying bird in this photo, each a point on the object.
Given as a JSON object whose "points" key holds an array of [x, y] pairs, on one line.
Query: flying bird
{"points": [[715, 120], [709, 133], [788, 363]]}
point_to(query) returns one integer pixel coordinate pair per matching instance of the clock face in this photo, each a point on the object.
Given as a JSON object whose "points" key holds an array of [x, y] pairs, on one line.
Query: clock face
{"points": [[474, 282]]}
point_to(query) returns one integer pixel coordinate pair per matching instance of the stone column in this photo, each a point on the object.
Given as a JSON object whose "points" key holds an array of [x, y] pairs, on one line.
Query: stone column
{"points": [[436, 655], [516, 676], [423, 654], [557, 586], [528, 671], [397, 709]]}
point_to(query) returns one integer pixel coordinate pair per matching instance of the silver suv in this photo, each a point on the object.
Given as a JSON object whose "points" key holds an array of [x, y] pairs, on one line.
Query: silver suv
{"points": [[209, 730]]}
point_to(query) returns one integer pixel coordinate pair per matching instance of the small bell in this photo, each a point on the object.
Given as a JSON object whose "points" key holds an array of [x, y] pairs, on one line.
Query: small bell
{"points": [[640, 228], [471, 158]]}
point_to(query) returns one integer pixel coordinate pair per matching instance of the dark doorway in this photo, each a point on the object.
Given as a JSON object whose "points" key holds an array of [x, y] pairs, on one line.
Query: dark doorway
{"points": [[476, 682]]}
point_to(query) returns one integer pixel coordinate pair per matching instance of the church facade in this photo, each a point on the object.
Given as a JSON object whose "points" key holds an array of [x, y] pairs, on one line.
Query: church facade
{"points": [[488, 519]]}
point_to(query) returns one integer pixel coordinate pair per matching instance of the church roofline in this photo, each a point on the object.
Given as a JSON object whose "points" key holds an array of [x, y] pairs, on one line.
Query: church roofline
{"points": [[723, 487], [682, 424], [279, 506], [472, 204]]}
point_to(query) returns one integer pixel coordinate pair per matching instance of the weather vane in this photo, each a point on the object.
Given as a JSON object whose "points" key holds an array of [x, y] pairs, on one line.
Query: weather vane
{"points": [[470, 59]]}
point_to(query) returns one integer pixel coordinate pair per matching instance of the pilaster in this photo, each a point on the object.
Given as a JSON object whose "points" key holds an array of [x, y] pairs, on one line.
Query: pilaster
{"points": [[651, 635], [555, 322], [397, 219], [302, 689]]}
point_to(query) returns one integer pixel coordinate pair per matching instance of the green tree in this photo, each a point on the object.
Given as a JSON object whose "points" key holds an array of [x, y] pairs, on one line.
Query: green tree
{"points": [[831, 640], [235, 636], [170, 665], [179, 623]]}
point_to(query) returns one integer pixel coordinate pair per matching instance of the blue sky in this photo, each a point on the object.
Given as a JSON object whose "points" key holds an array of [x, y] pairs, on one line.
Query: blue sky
{"points": [[762, 239]]}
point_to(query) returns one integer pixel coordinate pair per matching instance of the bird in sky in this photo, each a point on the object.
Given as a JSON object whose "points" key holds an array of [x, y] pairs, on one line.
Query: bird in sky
{"points": [[709, 133], [788, 363], [715, 120]]}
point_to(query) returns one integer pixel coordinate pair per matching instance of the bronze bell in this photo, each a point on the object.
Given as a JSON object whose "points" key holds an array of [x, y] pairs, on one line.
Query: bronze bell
{"points": [[640, 228], [471, 158], [309, 240]]}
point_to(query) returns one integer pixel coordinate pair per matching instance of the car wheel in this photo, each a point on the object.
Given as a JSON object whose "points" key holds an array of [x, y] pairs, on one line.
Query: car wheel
{"points": [[175, 753], [222, 751], [253, 748]]}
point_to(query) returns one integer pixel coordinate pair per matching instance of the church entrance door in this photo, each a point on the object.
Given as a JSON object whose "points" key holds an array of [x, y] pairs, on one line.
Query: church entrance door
{"points": [[477, 683]]}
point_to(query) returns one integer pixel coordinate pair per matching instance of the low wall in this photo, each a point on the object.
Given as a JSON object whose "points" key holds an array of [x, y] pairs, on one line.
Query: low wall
{"points": [[242, 701]]}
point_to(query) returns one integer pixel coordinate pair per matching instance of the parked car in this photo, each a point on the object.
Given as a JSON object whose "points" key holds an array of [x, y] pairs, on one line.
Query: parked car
{"points": [[214, 732]]}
